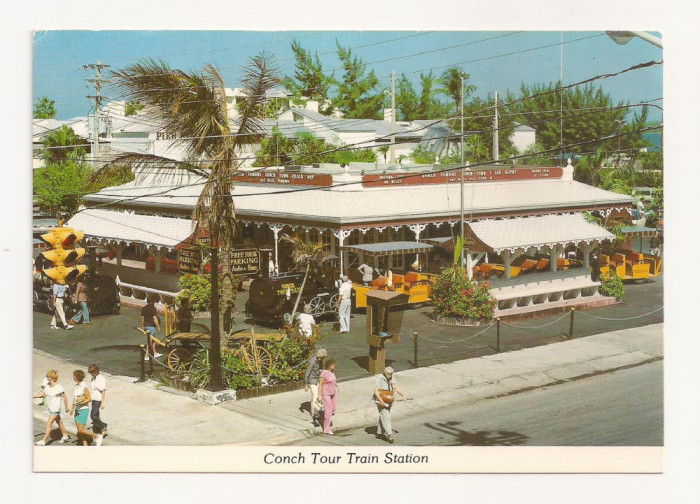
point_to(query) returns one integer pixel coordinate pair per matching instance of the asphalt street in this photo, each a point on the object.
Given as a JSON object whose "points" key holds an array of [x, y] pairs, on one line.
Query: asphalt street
{"points": [[623, 408], [113, 343]]}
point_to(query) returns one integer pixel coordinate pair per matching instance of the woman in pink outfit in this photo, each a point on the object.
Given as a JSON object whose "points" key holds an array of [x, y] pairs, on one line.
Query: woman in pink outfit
{"points": [[327, 391]]}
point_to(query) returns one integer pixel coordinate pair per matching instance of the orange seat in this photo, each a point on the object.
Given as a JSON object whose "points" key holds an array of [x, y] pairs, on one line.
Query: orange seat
{"points": [[528, 265], [379, 283], [542, 264]]}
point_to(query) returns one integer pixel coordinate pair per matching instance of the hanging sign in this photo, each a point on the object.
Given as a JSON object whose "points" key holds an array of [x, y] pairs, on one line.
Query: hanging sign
{"points": [[452, 176], [189, 260], [244, 261], [282, 178]]}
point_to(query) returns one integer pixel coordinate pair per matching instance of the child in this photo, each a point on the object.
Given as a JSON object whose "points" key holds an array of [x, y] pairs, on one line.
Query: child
{"points": [[53, 393]]}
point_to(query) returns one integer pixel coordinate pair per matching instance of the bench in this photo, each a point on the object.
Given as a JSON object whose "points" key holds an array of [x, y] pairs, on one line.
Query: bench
{"points": [[545, 291]]}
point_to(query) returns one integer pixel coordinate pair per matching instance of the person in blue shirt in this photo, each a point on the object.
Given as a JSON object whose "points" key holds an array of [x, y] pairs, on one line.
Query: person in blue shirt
{"points": [[60, 292]]}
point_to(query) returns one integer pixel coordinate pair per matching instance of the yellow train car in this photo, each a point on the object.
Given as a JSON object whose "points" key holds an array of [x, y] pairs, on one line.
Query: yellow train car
{"points": [[630, 266], [415, 285]]}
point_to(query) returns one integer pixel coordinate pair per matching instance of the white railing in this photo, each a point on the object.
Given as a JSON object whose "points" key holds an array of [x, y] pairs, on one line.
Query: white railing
{"points": [[140, 293]]}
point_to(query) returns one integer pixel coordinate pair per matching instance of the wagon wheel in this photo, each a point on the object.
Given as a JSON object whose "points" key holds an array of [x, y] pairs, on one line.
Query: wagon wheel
{"points": [[263, 362], [177, 357], [35, 299], [318, 306], [49, 304], [332, 302]]}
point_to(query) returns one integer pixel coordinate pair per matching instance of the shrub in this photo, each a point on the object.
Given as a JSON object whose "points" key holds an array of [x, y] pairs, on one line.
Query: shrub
{"points": [[612, 286], [454, 295], [197, 288], [290, 356]]}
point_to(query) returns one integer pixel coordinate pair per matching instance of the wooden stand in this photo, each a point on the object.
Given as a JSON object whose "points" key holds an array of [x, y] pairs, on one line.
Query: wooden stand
{"points": [[382, 325]]}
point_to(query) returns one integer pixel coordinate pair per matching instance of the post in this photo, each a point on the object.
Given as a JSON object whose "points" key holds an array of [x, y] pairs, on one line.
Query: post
{"points": [[571, 323], [495, 126], [142, 356], [415, 349], [392, 159], [498, 335], [215, 357], [151, 358], [461, 166]]}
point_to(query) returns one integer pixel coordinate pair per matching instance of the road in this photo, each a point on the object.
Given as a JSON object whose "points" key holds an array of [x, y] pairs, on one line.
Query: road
{"points": [[624, 408], [113, 344]]}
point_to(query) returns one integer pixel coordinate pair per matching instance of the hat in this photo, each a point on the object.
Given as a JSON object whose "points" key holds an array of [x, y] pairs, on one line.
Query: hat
{"points": [[344, 278], [321, 352]]}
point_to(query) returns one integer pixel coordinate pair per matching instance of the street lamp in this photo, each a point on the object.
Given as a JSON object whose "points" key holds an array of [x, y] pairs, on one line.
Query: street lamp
{"points": [[622, 37], [461, 169]]}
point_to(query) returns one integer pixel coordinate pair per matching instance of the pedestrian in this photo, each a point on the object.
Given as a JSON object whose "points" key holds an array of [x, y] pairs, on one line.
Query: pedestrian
{"points": [[384, 397], [307, 323], [60, 291], [327, 392], [54, 393], [81, 300], [150, 323], [81, 408], [344, 298], [98, 392], [184, 316], [367, 273], [313, 371]]}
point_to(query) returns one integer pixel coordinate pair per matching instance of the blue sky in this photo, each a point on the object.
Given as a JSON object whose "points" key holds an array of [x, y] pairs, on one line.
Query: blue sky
{"points": [[496, 60]]}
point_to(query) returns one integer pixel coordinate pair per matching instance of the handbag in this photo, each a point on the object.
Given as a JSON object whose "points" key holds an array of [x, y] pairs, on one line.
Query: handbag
{"points": [[387, 396]]}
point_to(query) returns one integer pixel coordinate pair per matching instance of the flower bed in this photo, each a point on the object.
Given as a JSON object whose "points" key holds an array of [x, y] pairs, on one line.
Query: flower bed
{"points": [[456, 297]]}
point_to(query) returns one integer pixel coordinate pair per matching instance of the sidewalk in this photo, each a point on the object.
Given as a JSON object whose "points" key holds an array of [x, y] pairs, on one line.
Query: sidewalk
{"points": [[143, 414]]}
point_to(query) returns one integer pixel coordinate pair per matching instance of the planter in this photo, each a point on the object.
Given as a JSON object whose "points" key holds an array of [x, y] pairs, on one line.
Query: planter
{"points": [[265, 391], [181, 383], [459, 321]]}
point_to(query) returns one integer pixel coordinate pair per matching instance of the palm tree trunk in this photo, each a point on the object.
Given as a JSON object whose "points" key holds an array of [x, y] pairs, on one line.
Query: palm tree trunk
{"points": [[301, 290], [227, 291]]}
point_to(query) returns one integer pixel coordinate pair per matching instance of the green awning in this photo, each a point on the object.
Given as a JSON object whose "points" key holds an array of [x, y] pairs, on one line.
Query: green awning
{"points": [[389, 248]]}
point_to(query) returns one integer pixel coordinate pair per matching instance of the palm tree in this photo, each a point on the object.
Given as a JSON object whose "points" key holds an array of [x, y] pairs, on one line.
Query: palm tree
{"points": [[44, 108], [305, 254], [191, 106], [451, 80], [61, 145]]}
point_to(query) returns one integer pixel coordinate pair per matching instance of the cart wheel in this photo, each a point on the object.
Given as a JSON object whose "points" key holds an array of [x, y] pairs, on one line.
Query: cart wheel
{"points": [[332, 303], [177, 357], [49, 306], [264, 360], [318, 306], [35, 299]]}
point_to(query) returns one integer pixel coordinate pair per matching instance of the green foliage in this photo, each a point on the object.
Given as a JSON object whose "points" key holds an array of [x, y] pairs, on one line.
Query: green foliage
{"points": [[118, 176], [358, 96], [58, 187], [652, 160], [290, 357], [132, 108], [451, 80], [612, 286], [44, 108], [423, 155], [196, 288], [454, 295], [61, 145], [235, 374], [649, 179], [306, 149], [407, 103], [309, 81], [478, 119]]}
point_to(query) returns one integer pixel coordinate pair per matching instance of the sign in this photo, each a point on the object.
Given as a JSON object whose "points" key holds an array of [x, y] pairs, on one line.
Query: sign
{"points": [[284, 178], [244, 261], [189, 260], [452, 176], [468, 242]]}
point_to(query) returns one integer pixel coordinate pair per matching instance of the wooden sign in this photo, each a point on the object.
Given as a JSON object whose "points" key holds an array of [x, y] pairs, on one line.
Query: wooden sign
{"points": [[284, 178], [189, 260], [244, 261], [452, 176]]}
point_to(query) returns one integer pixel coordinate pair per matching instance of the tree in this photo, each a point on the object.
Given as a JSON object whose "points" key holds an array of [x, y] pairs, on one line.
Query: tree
{"points": [[192, 107], [305, 254], [407, 102], [358, 96], [451, 80], [309, 81], [44, 108], [430, 107], [478, 127], [58, 187], [61, 145], [132, 108]]}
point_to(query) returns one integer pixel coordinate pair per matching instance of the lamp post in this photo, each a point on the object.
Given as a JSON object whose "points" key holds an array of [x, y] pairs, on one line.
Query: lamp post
{"points": [[461, 169]]}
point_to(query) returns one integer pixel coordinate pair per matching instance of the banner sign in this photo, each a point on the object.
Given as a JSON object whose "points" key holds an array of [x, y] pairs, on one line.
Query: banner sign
{"points": [[189, 260], [452, 176], [283, 178], [245, 261]]}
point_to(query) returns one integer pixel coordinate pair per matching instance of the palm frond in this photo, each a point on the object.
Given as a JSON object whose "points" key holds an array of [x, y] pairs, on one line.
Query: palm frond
{"points": [[132, 161]]}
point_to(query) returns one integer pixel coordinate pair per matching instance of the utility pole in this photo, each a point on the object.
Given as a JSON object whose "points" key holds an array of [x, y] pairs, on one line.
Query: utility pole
{"points": [[462, 167], [392, 158], [97, 82], [495, 127]]}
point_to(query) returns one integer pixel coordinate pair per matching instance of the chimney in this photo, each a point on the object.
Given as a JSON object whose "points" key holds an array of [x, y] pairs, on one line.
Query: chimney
{"points": [[312, 105], [387, 114]]}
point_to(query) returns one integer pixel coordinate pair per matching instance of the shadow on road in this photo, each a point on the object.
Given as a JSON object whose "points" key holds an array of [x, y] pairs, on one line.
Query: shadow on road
{"points": [[478, 438]]}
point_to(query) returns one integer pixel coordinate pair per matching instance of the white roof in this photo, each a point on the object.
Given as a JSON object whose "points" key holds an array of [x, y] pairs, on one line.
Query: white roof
{"points": [[353, 204], [547, 230], [108, 225]]}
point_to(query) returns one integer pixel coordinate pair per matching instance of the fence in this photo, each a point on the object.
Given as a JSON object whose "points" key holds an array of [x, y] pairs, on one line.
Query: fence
{"points": [[502, 336]]}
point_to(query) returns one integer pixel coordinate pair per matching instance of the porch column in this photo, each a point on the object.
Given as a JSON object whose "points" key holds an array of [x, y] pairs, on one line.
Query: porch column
{"points": [[554, 254], [276, 228], [118, 249], [341, 234], [157, 254], [361, 240], [470, 265], [417, 229], [508, 258], [587, 249]]}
